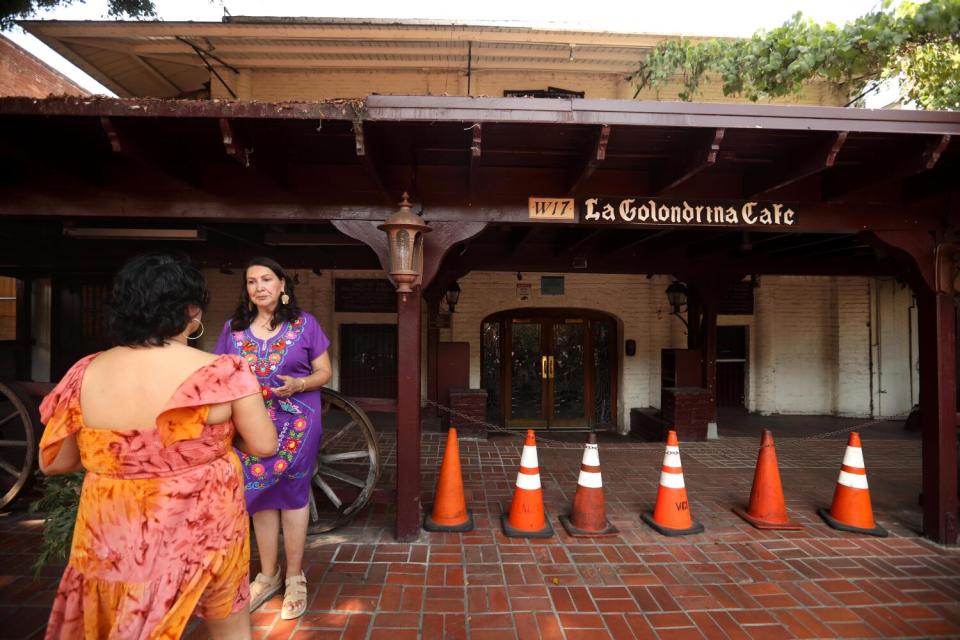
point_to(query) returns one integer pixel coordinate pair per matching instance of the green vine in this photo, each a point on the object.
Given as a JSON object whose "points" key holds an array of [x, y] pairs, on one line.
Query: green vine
{"points": [[918, 43], [58, 504]]}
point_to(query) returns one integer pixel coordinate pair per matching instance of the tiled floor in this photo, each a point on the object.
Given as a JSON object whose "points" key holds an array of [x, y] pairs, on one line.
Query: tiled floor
{"points": [[730, 582]]}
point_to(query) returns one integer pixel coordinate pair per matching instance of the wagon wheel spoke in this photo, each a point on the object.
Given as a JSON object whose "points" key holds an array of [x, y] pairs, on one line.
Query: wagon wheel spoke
{"points": [[13, 443], [10, 417], [328, 442], [339, 475], [347, 455], [9, 468], [327, 491]]}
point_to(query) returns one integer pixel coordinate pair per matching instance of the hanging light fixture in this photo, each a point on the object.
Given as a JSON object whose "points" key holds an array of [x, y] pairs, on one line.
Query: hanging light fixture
{"points": [[452, 296], [677, 297], [405, 231]]}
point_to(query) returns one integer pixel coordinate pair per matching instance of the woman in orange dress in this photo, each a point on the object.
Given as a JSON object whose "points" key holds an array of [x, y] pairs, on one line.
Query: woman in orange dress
{"points": [[161, 529]]}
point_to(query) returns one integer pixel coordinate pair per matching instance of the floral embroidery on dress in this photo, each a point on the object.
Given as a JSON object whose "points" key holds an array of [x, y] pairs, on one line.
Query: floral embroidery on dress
{"points": [[264, 361]]}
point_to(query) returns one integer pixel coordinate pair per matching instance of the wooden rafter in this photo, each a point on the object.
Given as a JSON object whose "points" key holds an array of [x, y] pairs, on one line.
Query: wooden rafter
{"points": [[875, 176], [370, 164], [821, 158], [596, 155], [476, 150], [578, 243], [232, 145], [122, 145], [702, 158]]}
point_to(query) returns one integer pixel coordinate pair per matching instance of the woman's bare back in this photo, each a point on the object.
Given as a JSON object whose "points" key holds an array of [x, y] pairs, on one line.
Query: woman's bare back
{"points": [[127, 387]]}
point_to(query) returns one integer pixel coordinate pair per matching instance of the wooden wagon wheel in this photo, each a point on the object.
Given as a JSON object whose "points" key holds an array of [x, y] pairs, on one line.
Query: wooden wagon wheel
{"points": [[19, 426], [348, 464]]}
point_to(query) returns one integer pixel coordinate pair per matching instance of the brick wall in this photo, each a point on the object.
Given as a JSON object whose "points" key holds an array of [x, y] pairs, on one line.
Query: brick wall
{"points": [[318, 84], [21, 74], [809, 338]]}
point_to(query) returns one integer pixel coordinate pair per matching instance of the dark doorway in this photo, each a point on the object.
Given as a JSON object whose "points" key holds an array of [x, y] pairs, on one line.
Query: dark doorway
{"points": [[79, 318], [368, 360], [731, 366], [550, 368]]}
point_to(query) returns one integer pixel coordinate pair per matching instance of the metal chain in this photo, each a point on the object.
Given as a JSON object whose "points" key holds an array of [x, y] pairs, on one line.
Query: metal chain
{"points": [[495, 427]]}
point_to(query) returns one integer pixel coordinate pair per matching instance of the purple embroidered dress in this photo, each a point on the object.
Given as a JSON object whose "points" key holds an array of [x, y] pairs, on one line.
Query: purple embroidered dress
{"points": [[282, 481]]}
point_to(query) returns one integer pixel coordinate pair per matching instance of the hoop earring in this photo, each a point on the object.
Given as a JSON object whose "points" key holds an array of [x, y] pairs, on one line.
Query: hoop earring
{"points": [[284, 298], [197, 337]]}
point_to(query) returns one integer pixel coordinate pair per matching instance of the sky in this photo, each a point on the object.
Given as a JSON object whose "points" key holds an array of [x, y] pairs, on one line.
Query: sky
{"points": [[693, 17]]}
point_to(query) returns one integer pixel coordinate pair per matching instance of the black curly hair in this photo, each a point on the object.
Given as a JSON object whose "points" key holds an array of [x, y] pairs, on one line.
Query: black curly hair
{"points": [[151, 297], [246, 312]]}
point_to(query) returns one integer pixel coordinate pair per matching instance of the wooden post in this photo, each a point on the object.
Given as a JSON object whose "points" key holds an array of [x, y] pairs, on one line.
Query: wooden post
{"points": [[433, 345], [708, 346], [936, 327], [936, 320], [408, 416], [24, 329]]}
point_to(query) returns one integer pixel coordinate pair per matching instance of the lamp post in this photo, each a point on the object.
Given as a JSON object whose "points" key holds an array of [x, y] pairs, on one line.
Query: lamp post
{"points": [[677, 297], [452, 296], [405, 231]]}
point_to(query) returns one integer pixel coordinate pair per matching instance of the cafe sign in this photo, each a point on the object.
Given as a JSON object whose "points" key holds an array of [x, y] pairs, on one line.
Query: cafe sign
{"points": [[690, 213]]}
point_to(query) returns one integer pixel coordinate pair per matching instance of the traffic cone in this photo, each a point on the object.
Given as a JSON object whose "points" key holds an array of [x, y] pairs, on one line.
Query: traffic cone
{"points": [[588, 516], [671, 515], [767, 509], [450, 511], [527, 518], [851, 510]]}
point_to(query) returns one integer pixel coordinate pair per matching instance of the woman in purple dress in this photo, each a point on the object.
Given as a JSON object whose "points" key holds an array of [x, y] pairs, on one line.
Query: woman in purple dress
{"points": [[287, 350]]}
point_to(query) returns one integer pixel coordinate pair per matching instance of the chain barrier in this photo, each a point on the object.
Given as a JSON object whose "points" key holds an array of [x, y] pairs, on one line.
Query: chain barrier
{"points": [[453, 413]]}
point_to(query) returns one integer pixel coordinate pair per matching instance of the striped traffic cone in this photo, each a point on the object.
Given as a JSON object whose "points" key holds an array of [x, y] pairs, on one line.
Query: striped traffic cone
{"points": [[671, 515], [527, 518], [588, 516], [767, 509], [851, 510]]}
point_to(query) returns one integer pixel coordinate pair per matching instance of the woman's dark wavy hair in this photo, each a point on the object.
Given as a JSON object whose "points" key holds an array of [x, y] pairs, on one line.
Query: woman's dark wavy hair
{"points": [[246, 312], [150, 299]]}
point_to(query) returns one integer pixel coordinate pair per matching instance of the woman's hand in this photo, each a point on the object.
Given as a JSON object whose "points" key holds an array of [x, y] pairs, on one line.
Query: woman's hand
{"points": [[290, 386]]}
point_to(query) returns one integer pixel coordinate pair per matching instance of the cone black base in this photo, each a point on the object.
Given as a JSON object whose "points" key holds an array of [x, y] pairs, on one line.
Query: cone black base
{"points": [[647, 517], [878, 531], [433, 527], [510, 532], [762, 524], [609, 530]]}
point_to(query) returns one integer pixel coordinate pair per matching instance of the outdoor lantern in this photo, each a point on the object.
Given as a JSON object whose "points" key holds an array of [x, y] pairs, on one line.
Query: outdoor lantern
{"points": [[677, 295], [452, 295], [405, 246]]}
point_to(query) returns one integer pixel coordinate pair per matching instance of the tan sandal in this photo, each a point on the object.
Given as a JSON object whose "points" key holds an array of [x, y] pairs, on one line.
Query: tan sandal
{"points": [[263, 588], [296, 591]]}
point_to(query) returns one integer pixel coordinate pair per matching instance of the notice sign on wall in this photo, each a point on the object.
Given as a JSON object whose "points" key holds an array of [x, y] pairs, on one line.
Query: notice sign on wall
{"points": [[694, 213]]}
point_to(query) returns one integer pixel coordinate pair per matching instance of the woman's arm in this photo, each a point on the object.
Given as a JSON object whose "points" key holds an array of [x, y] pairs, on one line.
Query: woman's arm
{"points": [[67, 460], [254, 426], [321, 374]]}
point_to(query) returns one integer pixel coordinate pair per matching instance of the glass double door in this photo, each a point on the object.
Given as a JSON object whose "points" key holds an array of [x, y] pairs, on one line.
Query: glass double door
{"points": [[547, 373]]}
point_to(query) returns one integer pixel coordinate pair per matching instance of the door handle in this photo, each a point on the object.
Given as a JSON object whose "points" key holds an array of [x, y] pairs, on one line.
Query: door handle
{"points": [[543, 367], [550, 363]]}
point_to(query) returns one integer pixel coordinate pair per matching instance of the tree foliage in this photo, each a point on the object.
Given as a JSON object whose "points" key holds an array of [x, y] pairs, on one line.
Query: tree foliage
{"points": [[58, 504], [12, 10], [917, 43]]}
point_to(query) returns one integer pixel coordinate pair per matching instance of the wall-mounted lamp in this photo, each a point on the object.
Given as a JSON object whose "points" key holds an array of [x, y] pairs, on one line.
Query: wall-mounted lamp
{"points": [[452, 296], [405, 231], [677, 297]]}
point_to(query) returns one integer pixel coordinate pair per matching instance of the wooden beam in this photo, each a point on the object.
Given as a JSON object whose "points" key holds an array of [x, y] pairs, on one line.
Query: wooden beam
{"points": [[153, 71], [579, 241], [701, 159], [517, 239], [886, 172], [476, 150], [791, 170], [596, 155], [232, 145], [633, 244], [370, 164], [124, 145]]}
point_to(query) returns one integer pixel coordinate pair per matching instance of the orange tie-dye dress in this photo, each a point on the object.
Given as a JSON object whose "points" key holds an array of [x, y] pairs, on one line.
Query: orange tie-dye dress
{"points": [[162, 527]]}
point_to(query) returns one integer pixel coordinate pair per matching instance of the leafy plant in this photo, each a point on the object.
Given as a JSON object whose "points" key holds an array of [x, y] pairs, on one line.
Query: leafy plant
{"points": [[12, 10], [917, 43], [59, 502]]}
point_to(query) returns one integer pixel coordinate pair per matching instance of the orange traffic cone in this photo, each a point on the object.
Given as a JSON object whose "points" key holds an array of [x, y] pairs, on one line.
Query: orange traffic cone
{"points": [[527, 518], [588, 516], [671, 515], [767, 509], [851, 510], [450, 511]]}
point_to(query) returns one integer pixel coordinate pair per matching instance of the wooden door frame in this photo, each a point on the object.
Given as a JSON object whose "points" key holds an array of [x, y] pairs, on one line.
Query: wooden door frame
{"points": [[505, 316]]}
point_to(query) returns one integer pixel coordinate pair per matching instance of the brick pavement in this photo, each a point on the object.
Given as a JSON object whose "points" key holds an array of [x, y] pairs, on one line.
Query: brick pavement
{"points": [[730, 582]]}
